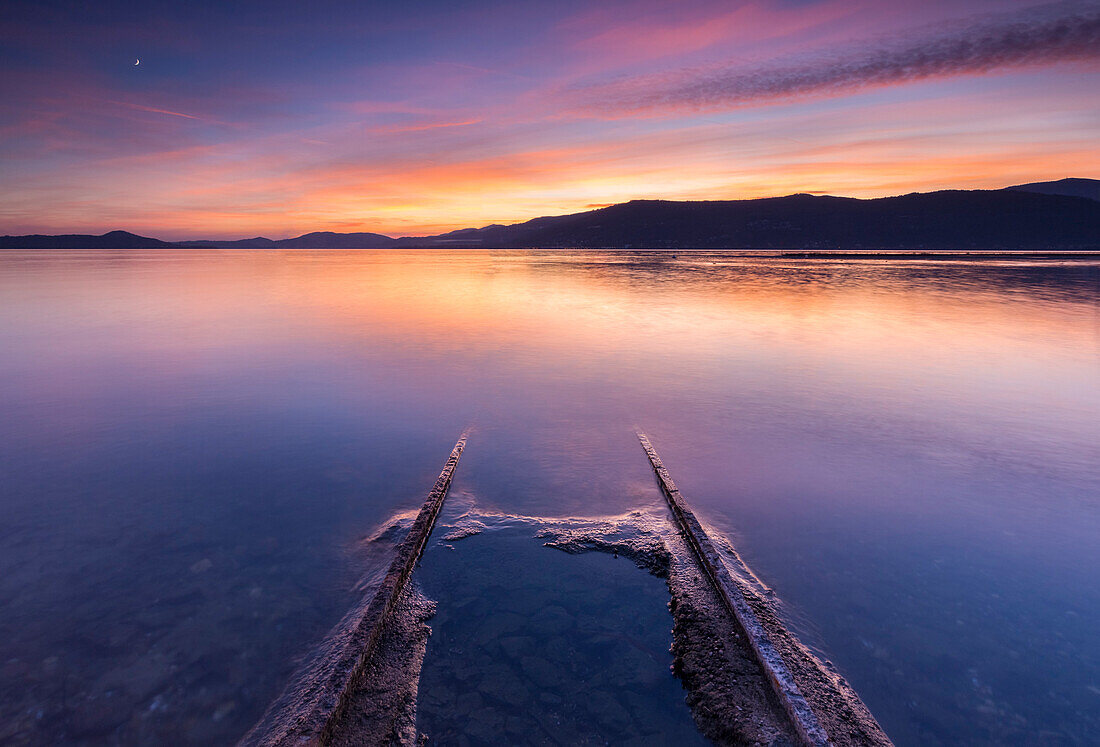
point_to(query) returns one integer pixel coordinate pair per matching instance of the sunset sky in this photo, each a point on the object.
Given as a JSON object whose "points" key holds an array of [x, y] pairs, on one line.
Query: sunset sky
{"points": [[276, 118]]}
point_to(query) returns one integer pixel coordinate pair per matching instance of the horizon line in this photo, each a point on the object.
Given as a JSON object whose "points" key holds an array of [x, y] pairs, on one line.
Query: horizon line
{"points": [[808, 193]]}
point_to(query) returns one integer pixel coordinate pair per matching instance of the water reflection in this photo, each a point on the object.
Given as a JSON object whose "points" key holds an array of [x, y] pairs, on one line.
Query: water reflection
{"points": [[192, 441]]}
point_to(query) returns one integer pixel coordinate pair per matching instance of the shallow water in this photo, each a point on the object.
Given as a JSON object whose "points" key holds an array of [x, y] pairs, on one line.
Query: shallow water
{"points": [[192, 443], [560, 649]]}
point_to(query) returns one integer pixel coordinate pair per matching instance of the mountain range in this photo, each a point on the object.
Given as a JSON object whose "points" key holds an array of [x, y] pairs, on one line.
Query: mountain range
{"points": [[1041, 216]]}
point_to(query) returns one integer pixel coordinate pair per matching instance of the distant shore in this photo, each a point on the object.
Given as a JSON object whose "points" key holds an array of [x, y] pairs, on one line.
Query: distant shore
{"points": [[957, 221]]}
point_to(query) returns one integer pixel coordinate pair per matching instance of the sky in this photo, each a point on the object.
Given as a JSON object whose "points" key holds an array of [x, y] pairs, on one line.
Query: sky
{"points": [[277, 118]]}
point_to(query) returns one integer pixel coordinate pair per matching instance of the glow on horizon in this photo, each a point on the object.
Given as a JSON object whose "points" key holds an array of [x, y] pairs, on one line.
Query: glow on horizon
{"points": [[418, 121]]}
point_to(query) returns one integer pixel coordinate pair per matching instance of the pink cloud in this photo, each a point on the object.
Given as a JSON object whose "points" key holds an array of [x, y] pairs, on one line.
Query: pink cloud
{"points": [[1036, 36]]}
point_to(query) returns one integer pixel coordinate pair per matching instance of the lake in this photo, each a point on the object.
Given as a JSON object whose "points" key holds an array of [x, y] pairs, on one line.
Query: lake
{"points": [[193, 445]]}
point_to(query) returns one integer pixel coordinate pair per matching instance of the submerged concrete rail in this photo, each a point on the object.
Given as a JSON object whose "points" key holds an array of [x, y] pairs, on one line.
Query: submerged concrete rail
{"points": [[314, 722], [802, 716]]}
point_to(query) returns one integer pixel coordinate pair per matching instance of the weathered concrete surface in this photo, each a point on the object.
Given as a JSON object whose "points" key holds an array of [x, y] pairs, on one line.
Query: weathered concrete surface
{"points": [[322, 696], [822, 707], [381, 705]]}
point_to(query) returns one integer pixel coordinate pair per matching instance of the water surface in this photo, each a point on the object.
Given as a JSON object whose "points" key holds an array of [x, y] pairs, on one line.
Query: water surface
{"points": [[193, 443]]}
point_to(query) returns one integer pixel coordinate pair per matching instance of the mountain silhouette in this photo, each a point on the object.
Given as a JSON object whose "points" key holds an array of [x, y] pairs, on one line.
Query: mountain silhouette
{"points": [[975, 220], [1025, 217], [1089, 188], [315, 240], [110, 240]]}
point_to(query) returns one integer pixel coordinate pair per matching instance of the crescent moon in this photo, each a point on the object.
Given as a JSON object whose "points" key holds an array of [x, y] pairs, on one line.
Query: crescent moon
{"points": [[137, 62]]}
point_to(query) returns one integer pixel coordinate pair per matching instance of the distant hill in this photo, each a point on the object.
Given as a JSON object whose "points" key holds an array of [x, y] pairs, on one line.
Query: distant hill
{"points": [[127, 240], [976, 220], [315, 240], [257, 243], [1008, 219], [1089, 188], [330, 240], [112, 240]]}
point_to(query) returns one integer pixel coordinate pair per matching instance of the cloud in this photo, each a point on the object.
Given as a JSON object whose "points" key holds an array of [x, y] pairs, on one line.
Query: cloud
{"points": [[425, 126], [1045, 34], [154, 110]]}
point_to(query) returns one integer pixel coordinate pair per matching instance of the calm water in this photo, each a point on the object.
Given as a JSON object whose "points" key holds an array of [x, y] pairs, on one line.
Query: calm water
{"points": [[193, 443], [558, 650]]}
